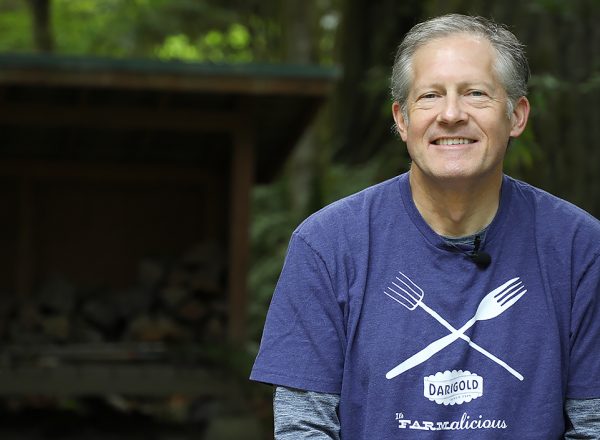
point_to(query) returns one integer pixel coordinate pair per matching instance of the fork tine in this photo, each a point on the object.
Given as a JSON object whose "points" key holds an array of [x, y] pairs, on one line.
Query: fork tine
{"points": [[409, 307], [420, 294], [507, 290], [409, 295], [407, 302], [413, 296], [514, 299], [509, 298]]}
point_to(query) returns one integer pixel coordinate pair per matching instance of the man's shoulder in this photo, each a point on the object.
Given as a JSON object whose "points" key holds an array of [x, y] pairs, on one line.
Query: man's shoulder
{"points": [[353, 212], [553, 212]]}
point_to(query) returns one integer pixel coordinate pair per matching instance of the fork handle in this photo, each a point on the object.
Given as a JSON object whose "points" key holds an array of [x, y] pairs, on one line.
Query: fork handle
{"points": [[472, 344], [427, 352]]}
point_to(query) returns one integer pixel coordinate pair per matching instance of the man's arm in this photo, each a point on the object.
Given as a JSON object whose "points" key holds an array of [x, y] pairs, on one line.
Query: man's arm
{"points": [[584, 415], [305, 414]]}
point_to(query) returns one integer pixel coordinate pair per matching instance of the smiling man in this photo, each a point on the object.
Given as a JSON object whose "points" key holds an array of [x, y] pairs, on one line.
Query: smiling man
{"points": [[451, 301], [456, 121]]}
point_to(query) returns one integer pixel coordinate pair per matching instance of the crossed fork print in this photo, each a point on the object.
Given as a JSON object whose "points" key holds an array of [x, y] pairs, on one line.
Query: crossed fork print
{"points": [[407, 293]]}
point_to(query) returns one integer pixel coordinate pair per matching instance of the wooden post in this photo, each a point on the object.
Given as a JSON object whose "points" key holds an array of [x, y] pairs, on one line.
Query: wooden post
{"points": [[24, 266], [241, 181]]}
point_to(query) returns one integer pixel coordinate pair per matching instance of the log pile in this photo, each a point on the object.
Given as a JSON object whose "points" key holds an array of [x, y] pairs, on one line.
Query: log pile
{"points": [[173, 313], [177, 301]]}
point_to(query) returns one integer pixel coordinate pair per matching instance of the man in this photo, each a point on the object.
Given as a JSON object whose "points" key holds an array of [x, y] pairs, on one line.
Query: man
{"points": [[451, 301]]}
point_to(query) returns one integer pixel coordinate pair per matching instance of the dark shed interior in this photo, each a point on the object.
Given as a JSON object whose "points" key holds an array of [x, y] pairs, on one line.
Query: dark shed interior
{"points": [[125, 188]]}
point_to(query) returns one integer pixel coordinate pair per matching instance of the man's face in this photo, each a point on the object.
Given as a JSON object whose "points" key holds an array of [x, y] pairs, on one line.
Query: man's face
{"points": [[457, 126]]}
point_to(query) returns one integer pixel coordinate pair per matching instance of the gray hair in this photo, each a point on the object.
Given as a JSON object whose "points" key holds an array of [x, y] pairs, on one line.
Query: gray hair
{"points": [[511, 66]]}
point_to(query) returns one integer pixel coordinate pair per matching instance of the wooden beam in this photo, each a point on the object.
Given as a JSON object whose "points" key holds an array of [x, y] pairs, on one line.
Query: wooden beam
{"points": [[130, 379], [116, 117], [242, 179], [111, 172], [155, 80]]}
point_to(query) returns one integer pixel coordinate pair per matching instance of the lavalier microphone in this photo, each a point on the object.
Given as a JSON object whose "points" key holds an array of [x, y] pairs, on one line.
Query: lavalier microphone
{"points": [[480, 258]]}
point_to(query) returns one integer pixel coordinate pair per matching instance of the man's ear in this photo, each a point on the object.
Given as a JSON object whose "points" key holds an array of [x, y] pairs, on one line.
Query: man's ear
{"points": [[401, 124], [519, 117]]}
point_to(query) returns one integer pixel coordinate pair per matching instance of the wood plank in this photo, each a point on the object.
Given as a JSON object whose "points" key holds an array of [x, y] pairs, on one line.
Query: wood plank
{"points": [[25, 245], [242, 179], [50, 115], [133, 173], [243, 84], [131, 379]]}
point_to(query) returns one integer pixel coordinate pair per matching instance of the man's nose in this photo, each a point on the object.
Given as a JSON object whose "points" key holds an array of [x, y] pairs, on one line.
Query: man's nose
{"points": [[451, 111]]}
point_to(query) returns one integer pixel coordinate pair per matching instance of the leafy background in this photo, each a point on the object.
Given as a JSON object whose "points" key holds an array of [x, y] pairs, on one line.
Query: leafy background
{"points": [[351, 144]]}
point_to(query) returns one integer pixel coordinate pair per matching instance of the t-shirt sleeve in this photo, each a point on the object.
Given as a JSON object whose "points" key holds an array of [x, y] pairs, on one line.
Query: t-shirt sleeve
{"points": [[584, 369], [303, 340]]}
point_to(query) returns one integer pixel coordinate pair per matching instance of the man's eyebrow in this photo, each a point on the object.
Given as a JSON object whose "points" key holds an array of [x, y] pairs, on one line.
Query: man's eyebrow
{"points": [[461, 86], [478, 84]]}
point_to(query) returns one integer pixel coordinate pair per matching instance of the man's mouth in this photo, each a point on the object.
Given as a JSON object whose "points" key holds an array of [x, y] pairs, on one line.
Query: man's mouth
{"points": [[453, 141]]}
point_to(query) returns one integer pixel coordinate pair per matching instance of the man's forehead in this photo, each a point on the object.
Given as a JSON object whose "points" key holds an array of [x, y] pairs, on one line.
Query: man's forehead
{"points": [[468, 41], [459, 57]]}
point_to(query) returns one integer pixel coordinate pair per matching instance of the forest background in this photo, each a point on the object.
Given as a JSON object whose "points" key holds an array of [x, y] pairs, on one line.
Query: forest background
{"points": [[350, 145]]}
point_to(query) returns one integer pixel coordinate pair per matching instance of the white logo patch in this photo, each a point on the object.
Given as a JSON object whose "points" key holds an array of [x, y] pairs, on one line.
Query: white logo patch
{"points": [[453, 387]]}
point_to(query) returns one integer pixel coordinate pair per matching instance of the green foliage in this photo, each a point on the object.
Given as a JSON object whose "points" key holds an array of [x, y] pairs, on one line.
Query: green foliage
{"points": [[89, 27], [16, 33], [189, 30], [178, 47], [523, 153], [271, 228], [329, 22], [116, 28], [560, 7], [340, 180], [230, 46]]}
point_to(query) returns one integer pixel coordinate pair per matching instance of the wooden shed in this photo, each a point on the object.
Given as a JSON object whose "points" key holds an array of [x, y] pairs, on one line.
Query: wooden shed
{"points": [[104, 163]]}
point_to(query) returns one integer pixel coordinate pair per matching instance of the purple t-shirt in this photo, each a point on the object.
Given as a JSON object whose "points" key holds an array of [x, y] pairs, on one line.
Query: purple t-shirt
{"points": [[422, 343]]}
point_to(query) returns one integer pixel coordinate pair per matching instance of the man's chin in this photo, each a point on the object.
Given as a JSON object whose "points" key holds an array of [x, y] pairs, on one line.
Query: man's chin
{"points": [[455, 176]]}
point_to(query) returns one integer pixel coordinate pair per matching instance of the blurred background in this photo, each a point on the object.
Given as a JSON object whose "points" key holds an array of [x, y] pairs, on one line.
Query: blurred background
{"points": [[155, 156]]}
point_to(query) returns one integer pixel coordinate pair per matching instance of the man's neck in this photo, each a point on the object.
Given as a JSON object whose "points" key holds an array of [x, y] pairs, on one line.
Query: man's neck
{"points": [[456, 209]]}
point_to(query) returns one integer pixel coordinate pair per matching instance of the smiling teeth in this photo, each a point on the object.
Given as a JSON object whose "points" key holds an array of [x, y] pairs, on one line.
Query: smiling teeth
{"points": [[454, 141]]}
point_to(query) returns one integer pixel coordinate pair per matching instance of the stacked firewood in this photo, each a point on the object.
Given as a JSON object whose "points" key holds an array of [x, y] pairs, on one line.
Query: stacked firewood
{"points": [[175, 313], [181, 300]]}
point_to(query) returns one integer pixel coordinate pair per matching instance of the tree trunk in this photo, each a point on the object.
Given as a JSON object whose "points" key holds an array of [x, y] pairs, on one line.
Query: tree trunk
{"points": [[371, 31], [303, 173], [42, 29]]}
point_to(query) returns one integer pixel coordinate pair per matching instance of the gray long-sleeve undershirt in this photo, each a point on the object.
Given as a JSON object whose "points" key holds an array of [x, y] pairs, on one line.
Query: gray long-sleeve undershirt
{"points": [[303, 414]]}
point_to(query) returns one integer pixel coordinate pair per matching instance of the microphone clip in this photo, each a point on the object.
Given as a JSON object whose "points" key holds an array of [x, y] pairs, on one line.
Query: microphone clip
{"points": [[481, 259]]}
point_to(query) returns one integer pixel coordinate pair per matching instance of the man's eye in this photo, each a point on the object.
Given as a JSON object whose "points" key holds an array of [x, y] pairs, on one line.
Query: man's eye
{"points": [[428, 96], [476, 93]]}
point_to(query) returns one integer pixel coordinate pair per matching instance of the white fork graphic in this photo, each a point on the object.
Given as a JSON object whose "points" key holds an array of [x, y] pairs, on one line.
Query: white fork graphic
{"points": [[494, 303]]}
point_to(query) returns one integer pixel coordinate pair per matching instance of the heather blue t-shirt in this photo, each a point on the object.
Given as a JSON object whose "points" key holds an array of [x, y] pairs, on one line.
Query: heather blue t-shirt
{"points": [[422, 343]]}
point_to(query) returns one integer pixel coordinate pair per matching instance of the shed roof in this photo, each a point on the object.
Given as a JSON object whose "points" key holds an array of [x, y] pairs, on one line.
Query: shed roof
{"points": [[127, 110]]}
